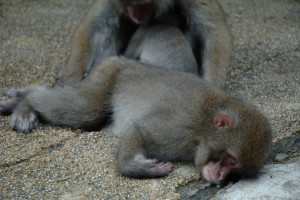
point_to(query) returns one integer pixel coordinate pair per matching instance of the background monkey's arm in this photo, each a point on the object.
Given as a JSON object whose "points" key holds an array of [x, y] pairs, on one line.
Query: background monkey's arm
{"points": [[210, 38], [95, 39]]}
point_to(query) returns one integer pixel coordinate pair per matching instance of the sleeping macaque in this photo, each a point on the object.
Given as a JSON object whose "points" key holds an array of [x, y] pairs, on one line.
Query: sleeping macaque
{"points": [[110, 25], [161, 116]]}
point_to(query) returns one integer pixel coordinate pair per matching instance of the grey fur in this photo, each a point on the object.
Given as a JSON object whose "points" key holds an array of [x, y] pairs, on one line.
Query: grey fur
{"points": [[107, 29], [177, 123]]}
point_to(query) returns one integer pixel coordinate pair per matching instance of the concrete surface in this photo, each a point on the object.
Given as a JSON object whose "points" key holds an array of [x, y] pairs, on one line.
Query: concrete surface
{"points": [[277, 181], [60, 163]]}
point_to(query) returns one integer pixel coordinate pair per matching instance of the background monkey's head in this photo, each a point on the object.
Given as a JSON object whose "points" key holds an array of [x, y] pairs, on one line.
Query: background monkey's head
{"points": [[141, 11]]}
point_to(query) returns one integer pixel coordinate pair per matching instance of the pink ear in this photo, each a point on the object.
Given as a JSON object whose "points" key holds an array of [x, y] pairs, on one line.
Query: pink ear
{"points": [[224, 121]]}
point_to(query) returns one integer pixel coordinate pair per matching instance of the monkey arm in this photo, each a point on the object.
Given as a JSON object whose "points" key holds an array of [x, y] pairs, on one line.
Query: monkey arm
{"points": [[210, 39], [132, 159], [96, 38]]}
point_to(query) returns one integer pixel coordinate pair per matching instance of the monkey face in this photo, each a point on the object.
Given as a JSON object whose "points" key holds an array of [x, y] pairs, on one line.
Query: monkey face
{"points": [[242, 148], [141, 11], [216, 170]]}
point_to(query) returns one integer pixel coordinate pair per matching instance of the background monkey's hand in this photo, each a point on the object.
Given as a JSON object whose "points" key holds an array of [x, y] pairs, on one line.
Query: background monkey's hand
{"points": [[23, 117]]}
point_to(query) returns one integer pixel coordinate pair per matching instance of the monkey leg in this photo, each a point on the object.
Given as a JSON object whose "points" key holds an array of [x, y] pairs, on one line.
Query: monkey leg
{"points": [[23, 118], [15, 97], [68, 106], [81, 105], [132, 159]]}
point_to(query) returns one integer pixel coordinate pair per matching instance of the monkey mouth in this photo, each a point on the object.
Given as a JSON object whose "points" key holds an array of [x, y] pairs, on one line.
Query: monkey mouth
{"points": [[140, 13]]}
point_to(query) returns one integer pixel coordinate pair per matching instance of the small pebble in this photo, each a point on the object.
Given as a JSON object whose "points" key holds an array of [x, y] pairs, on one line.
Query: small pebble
{"points": [[281, 157]]}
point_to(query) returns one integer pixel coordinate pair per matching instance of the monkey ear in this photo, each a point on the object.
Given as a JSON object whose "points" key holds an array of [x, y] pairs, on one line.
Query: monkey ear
{"points": [[224, 121]]}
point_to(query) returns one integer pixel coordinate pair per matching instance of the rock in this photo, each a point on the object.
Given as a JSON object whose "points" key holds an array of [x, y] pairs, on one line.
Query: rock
{"points": [[277, 181], [281, 157], [193, 193], [286, 150]]}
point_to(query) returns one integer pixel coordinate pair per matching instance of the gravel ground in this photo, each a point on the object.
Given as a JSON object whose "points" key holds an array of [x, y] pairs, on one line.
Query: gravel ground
{"points": [[55, 162]]}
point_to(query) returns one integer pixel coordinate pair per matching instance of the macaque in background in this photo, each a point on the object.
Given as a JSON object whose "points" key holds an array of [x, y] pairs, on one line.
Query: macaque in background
{"points": [[161, 116], [110, 25]]}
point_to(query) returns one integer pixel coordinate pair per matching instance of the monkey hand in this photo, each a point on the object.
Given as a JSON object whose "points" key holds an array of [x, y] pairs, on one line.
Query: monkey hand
{"points": [[164, 168], [145, 168], [151, 168]]}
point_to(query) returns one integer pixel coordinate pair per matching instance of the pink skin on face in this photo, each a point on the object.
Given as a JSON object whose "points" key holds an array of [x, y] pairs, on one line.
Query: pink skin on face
{"points": [[140, 13], [216, 172]]}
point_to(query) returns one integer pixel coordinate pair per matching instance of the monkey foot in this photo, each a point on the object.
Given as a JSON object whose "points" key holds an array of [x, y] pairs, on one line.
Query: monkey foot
{"points": [[24, 121], [23, 117]]}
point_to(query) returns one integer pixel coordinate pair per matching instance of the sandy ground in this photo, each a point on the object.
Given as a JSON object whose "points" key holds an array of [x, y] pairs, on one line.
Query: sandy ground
{"points": [[54, 162]]}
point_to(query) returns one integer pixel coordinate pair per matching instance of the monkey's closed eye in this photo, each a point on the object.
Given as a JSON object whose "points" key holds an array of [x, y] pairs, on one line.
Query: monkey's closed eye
{"points": [[230, 161]]}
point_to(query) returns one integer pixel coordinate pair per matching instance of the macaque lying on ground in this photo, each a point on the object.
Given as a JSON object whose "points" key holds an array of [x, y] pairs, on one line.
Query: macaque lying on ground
{"points": [[161, 116]]}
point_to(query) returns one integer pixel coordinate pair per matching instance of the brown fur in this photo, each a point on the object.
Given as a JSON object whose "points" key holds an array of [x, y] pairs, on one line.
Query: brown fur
{"points": [[108, 28], [161, 123]]}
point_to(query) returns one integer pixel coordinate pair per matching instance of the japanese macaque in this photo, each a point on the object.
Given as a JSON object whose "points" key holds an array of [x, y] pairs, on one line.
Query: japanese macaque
{"points": [[161, 116], [110, 25]]}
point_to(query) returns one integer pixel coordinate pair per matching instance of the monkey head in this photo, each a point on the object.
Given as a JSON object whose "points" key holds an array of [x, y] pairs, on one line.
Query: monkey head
{"points": [[141, 11], [240, 145]]}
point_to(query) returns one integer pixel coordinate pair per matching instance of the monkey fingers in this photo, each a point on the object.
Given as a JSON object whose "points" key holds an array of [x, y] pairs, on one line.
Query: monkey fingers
{"points": [[165, 167], [154, 169], [162, 169], [24, 118]]}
